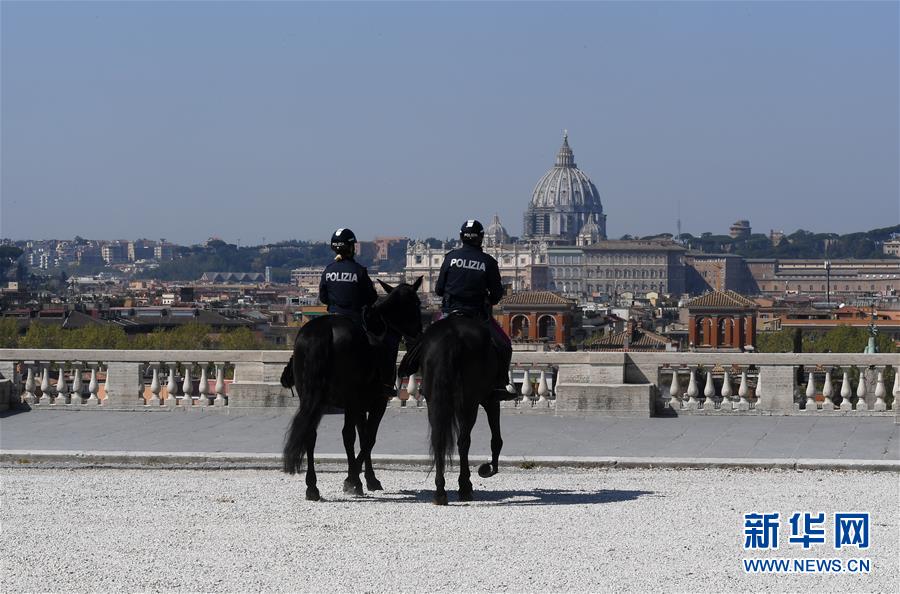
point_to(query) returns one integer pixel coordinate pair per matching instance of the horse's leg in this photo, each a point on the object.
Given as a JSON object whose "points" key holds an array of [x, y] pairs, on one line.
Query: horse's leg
{"points": [[312, 492], [463, 442], [352, 484], [371, 430], [492, 408], [440, 494]]}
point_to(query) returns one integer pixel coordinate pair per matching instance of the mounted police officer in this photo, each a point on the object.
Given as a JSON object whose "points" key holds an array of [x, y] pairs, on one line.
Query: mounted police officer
{"points": [[469, 283], [345, 287]]}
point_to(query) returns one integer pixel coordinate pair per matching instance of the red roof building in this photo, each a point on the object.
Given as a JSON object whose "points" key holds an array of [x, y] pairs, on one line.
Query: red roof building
{"points": [[537, 316], [722, 320]]}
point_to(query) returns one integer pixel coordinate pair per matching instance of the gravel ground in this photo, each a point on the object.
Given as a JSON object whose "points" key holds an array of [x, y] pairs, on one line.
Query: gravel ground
{"points": [[530, 530]]}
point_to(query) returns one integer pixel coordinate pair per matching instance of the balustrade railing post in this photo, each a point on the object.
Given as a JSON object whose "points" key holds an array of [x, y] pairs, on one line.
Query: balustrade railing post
{"points": [[726, 403], [45, 387], [828, 391], [527, 389], [61, 388], [203, 386], [93, 387], [220, 385], [709, 391], [171, 385], [77, 384], [674, 391], [412, 390], [155, 387], [861, 403], [542, 390], [187, 387], [810, 390], [846, 391], [30, 397], [511, 386], [693, 390], [879, 404], [743, 391]]}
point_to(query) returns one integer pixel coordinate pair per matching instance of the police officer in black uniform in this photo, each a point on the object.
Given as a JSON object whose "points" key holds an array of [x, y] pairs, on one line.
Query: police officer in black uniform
{"points": [[469, 284], [345, 287]]}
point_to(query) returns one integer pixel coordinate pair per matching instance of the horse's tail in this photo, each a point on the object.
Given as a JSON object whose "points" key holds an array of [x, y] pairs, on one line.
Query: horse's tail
{"points": [[287, 376], [445, 400], [313, 391]]}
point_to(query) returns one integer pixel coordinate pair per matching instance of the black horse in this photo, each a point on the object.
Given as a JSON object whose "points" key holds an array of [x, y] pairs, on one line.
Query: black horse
{"points": [[337, 366], [459, 364]]}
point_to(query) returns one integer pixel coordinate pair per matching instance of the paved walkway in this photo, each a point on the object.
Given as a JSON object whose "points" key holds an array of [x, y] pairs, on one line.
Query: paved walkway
{"points": [[405, 432]]}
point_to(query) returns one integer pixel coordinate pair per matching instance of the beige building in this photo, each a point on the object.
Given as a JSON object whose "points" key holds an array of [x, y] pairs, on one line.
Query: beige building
{"points": [[307, 277], [613, 267], [892, 247], [843, 279], [523, 267]]}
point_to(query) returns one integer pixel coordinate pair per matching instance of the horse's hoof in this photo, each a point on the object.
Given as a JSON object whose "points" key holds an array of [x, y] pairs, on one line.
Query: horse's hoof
{"points": [[465, 495], [486, 470], [351, 488], [312, 494], [374, 485], [440, 499]]}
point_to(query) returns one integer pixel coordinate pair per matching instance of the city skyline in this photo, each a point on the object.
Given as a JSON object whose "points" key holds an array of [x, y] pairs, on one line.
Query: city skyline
{"points": [[283, 121]]}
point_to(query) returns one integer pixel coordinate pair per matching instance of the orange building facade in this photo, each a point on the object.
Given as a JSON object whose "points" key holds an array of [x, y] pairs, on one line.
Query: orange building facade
{"points": [[537, 316], [722, 320]]}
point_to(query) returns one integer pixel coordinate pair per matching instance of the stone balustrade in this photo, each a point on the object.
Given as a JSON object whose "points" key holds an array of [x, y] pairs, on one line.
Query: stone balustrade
{"points": [[120, 379], [618, 384], [805, 383], [531, 386]]}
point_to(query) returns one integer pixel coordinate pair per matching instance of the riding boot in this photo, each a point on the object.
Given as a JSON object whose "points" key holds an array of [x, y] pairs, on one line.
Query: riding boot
{"points": [[387, 370], [503, 348]]}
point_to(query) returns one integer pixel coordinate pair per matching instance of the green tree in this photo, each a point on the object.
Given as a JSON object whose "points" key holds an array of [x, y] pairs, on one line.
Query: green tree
{"points": [[241, 339], [188, 337], [96, 336], [845, 339], [9, 333], [775, 342], [43, 336]]}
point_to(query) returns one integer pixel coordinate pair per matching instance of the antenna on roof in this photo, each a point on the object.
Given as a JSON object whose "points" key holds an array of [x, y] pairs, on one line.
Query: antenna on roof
{"points": [[678, 222]]}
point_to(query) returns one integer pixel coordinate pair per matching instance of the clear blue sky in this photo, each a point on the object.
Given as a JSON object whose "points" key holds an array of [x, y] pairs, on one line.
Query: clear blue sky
{"points": [[286, 119]]}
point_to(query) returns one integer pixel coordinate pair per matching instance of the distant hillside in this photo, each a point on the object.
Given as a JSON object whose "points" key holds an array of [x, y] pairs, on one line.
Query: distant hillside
{"points": [[219, 256], [800, 244]]}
